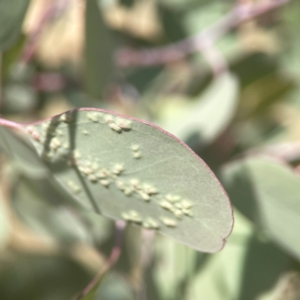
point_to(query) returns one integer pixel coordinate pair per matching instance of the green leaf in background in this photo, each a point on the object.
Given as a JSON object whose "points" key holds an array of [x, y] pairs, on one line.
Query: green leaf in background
{"points": [[204, 15], [41, 206], [207, 116], [41, 277], [111, 287], [4, 223], [12, 13], [177, 266], [287, 288], [51, 212], [99, 48], [245, 269], [11, 56], [133, 170], [267, 191], [171, 20]]}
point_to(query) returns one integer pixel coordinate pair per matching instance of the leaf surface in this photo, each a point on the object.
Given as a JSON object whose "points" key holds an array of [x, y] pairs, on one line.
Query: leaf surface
{"points": [[99, 48], [247, 268], [267, 191], [209, 115], [11, 17], [129, 169]]}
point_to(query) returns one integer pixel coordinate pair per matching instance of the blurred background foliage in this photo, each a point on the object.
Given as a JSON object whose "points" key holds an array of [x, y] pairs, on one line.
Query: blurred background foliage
{"points": [[224, 76]]}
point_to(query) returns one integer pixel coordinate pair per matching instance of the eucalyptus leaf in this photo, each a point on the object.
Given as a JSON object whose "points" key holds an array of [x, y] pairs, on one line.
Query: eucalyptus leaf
{"points": [[208, 115], [129, 169], [12, 13], [99, 48], [267, 191]]}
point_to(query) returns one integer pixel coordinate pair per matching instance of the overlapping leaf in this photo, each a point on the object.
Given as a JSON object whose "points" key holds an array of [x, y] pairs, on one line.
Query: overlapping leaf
{"points": [[125, 168]]}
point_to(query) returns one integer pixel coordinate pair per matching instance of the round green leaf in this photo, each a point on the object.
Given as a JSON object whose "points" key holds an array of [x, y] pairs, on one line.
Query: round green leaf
{"points": [[129, 169]]}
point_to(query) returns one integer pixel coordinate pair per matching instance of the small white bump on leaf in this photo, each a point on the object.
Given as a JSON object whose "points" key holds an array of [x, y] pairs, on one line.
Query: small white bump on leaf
{"points": [[108, 119], [92, 178], [103, 173], [135, 183], [151, 223], [132, 216], [93, 116], [123, 123], [67, 117], [178, 205], [55, 143], [169, 222], [115, 127], [76, 154], [128, 191], [137, 154], [125, 216], [118, 169], [149, 189], [105, 182], [186, 204], [85, 169], [135, 147], [144, 196], [36, 136], [95, 166], [135, 217], [166, 205], [121, 185], [30, 129], [74, 187], [45, 125], [173, 198], [178, 213], [85, 132]]}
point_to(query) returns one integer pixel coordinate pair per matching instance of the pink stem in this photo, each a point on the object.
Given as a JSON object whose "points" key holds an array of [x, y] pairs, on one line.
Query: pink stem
{"points": [[11, 124]]}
